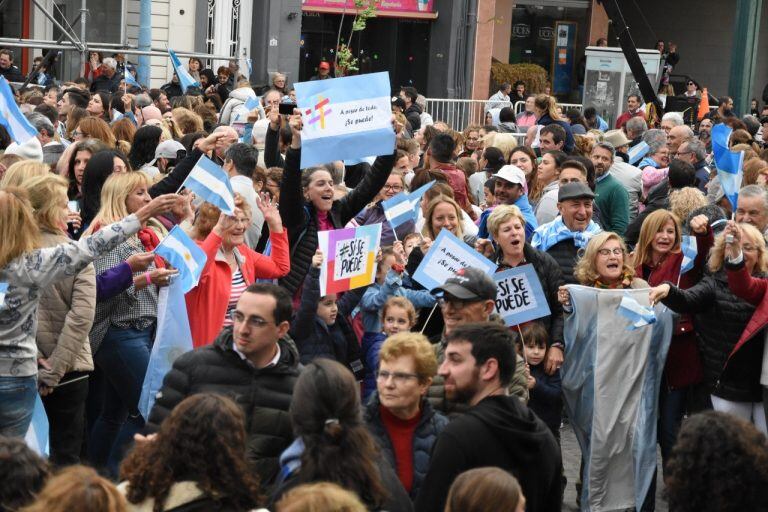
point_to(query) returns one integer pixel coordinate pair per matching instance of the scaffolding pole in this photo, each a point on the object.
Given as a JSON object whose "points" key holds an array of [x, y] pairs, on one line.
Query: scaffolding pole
{"points": [[103, 47]]}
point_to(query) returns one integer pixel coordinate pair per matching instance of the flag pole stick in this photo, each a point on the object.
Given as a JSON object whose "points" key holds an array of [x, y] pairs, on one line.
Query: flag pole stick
{"points": [[428, 318]]}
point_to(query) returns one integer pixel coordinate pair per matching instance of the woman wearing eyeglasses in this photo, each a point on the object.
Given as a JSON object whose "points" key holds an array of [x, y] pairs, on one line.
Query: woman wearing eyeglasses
{"points": [[374, 213], [398, 415]]}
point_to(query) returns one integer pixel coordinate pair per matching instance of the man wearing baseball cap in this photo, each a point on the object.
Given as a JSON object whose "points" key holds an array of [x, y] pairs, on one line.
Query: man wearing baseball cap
{"points": [[323, 71], [167, 154], [571, 230], [469, 296], [508, 189]]}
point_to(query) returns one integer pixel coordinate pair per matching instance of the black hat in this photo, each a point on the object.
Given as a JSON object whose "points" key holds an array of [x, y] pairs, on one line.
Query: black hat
{"points": [[398, 102], [574, 190], [468, 284]]}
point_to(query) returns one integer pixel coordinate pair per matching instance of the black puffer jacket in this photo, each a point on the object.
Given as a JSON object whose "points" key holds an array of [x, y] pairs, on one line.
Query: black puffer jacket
{"points": [[658, 199], [566, 254], [264, 395], [551, 278], [300, 218], [719, 319], [413, 115], [429, 427]]}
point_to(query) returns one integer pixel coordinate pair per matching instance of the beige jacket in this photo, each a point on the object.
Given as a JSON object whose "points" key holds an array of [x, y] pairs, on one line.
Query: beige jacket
{"points": [[64, 316]]}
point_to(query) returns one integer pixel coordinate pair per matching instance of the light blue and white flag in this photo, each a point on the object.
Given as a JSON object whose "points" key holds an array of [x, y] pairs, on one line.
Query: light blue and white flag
{"points": [[173, 338], [639, 315], [416, 195], [3, 291], [637, 152], [690, 250], [129, 80], [729, 164], [398, 209], [252, 103], [19, 128], [185, 79], [37, 437], [610, 381], [180, 251], [345, 118], [211, 183]]}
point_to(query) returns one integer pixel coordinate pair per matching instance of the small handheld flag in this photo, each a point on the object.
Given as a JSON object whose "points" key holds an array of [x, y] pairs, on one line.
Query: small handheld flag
{"points": [[398, 210], [639, 315], [729, 164], [181, 252], [11, 117], [129, 80], [252, 103], [689, 248], [638, 152], [185, 79], [211, 183], [37, 436]]}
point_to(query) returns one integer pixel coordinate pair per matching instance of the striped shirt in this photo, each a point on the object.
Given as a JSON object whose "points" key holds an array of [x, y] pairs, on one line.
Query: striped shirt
{"points": [[238, 287]]}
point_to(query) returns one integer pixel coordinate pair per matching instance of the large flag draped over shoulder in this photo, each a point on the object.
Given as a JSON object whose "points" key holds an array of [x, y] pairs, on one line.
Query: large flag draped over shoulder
{"points": [[729, 164], [19, 128], [185, 79], [611, 377], [173, 338], [345, 118]]}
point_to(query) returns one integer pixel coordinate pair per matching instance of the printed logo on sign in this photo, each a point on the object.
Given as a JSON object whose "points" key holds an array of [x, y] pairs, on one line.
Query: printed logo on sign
{"points": [[546, 33], [350, 258], [320, 112], [521, 31]]}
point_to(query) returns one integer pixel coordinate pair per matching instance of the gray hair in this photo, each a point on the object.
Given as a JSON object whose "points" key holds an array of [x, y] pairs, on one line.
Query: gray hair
{"points": [[40, 122], [689, 135], [752, 123], [698, 148], [143, 100], [110, 62], [755, 191], [655, 146], [675, 117], [607, 146], [637, 126], [654, 136]]}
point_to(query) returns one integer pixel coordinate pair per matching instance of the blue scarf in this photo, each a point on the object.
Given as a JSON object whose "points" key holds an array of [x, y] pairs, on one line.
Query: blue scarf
{"points": [[556, 231], [645, 162]]}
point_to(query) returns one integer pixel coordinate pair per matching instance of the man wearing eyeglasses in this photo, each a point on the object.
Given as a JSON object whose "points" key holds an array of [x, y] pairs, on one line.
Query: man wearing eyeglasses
{"points": [[469, 296], [497, 430], [254, 362], [694, 152]]}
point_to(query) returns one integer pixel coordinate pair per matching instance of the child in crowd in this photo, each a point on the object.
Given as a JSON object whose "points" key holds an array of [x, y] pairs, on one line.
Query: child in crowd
{"points": [[410, 241], [320, 327], [397, 315], [545, 390]]}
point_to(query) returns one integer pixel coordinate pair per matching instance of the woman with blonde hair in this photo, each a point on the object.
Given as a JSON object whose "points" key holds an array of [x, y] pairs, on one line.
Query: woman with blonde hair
{"points": [[124, 130], [27, 269], [186, 121], [658, 258], [65, 316], [320, 497], [21, 171], [506, 142], [606, 264], [545, 108], [684, 201], [731, 342], [78, 488], [123, 327], [94, 128], [445, 213]]}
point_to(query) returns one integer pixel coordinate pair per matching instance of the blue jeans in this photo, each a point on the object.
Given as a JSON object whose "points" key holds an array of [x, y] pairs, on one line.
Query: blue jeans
{"points": [[17, 401], [122, 358], [672, 405]]}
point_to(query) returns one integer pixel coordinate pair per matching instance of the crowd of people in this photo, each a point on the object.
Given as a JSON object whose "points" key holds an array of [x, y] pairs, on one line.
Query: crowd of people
{"points": [[385, 397]]}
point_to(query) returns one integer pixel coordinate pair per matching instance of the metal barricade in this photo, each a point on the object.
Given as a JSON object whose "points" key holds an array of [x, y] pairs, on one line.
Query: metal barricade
{"points": [[458, 114]]}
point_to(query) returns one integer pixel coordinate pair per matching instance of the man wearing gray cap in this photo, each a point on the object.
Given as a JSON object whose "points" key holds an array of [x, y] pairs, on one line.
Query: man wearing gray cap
{"points": [[571, 230], [469, 296]]}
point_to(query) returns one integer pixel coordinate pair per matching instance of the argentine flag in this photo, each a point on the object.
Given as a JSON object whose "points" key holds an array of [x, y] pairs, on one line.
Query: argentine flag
{"points": [[173, 338], [185, 79], [180, 251], [19, 128], [398, 210], [129, 80], [37, 436], [638, 152], [639, 315], [211, 183], [729, 164], [690, 249]]}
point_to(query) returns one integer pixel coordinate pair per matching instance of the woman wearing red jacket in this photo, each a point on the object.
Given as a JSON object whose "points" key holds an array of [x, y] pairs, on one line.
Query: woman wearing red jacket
{"points": [[231, 267], [658, 259]]}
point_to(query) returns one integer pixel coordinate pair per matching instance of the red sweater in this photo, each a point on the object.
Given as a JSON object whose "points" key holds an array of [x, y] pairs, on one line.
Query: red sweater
{"points": [[401, 434], [626, 116], [458, 182], [207, 302]]}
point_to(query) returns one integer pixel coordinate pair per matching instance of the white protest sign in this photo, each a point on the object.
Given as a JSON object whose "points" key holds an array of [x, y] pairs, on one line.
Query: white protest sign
{"points": [[447, 255]]}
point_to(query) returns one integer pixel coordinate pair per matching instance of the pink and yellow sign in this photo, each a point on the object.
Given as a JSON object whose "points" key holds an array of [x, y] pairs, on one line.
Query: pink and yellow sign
{"points": [[390, 8], [349, 257]]}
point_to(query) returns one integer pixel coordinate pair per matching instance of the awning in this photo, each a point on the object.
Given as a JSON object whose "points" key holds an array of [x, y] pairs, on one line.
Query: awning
{"points": [[413, 9]]}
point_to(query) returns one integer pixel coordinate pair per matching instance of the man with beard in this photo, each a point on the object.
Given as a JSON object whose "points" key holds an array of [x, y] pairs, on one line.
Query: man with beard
{"points": [[610, 195], [497, 430]]}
